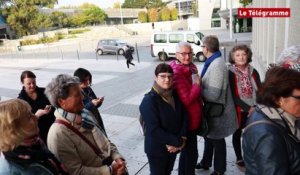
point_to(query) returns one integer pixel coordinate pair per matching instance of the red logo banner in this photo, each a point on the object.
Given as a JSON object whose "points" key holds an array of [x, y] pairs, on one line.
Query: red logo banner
{"points": [[263, 12]]}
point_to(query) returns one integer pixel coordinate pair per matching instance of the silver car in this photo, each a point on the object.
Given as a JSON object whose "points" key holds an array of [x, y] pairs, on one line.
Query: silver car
{"points": [[112, 46]]}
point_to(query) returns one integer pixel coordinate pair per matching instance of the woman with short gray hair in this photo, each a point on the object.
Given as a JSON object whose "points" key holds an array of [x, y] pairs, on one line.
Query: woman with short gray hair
{"points": [[75, 138]]}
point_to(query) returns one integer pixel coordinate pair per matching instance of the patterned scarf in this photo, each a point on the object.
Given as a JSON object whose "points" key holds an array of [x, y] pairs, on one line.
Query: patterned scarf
{"points": [[245, 82], [86, 121], [33, 151]]}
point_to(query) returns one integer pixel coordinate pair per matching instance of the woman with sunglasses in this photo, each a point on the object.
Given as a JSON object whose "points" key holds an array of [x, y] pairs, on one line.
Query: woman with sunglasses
{"points": [[271, 138]]}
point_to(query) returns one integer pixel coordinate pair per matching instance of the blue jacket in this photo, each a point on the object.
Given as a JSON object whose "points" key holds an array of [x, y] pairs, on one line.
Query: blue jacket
{"points": [[268, 149], [164, 125], [7, 168]]}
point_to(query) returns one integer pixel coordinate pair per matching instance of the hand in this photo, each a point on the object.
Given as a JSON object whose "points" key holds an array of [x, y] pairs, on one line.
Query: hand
{"points": [[251, 110], [172, 149], [97, 101], [197, 79], [42, 112], [118, 166]]}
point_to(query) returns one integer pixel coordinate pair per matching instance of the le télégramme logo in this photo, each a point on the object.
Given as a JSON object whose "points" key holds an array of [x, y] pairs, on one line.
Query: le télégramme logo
{"points": [[264, 12]]}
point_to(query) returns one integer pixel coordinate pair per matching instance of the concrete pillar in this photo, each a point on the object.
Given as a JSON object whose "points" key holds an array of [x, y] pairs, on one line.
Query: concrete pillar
{"points": [[294, 25]]}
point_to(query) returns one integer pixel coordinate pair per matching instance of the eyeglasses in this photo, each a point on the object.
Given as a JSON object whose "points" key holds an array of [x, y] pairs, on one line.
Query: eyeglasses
{"points": [[185, 53], [296, 97], [166, 76]]}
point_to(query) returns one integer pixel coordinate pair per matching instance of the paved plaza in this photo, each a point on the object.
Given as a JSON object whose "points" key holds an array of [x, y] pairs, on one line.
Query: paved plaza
{"points": [[123, 90]]}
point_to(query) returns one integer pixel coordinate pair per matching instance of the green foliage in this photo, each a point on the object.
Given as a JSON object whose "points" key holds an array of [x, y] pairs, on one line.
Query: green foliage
{"points": [[143, 4], [90, 15], [116, 5], [142, 16], [78, 31], [134, 4], [24, 18], [245, 2], [59, 19], [94, 15], [155, 4], [153, 15], [165, 14], [39, 41], [174, 14]]}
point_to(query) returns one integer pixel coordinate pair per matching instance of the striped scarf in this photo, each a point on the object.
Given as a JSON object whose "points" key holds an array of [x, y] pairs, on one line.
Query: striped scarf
{"points": [[87, 121]]}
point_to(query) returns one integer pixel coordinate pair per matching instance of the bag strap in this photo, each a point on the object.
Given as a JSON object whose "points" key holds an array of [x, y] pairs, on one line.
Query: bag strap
{"points": [[282, 130], [68, 125]]}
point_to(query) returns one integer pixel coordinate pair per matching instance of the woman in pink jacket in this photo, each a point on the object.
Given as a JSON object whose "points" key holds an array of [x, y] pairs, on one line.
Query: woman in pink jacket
{"points": [[187, 84]]}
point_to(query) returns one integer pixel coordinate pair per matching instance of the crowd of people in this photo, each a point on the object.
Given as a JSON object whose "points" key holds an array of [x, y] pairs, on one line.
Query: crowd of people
{"points": [[58, 129]]}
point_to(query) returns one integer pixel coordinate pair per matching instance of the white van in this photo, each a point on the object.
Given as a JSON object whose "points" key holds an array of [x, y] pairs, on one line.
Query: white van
{"points": [[163, 44]]}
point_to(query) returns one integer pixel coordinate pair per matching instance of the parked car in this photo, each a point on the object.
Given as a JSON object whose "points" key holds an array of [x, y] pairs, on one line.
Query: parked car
{"points": [[112, 46], [163, 43]]}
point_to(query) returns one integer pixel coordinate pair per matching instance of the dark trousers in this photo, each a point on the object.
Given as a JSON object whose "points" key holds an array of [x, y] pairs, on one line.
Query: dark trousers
{"points": [[161, 165], [129, 62], [216, 148], [189, 156], [236, 138]]}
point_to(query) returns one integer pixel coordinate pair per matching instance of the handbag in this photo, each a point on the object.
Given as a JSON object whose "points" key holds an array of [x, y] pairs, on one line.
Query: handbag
{"points": [[213, 109], [203, 130]]}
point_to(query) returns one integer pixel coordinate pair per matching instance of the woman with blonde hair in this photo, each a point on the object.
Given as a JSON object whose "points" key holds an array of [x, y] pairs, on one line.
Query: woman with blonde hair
{"points": [[22, 151]]}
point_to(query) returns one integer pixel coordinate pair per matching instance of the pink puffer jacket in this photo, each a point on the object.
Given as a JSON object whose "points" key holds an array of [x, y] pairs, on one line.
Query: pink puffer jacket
{"points": [[188, 93]]}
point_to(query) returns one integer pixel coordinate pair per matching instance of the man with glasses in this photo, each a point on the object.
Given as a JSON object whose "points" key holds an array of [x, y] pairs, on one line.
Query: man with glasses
{"points": [[215, 88], [186, 81]]}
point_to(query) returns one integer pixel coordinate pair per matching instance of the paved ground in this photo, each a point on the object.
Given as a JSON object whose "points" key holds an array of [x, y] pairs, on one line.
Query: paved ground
{"points": [[123, 90]]}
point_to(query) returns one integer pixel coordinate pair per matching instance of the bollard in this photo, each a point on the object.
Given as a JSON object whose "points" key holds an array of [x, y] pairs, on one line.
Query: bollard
{"points": [[137, 53], [224, 51], [62, 56], [164, 56], [235, 41], [96, 56], [117, 55], [77, 55]]}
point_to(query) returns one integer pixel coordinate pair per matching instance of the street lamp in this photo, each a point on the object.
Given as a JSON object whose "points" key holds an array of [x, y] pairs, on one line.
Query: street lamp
{"points": [[230, 20], [121, 14]]}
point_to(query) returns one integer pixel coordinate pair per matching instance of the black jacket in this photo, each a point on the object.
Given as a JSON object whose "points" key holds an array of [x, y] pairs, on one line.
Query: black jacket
{"points": [[41, 101], [165, 126], [268, 149]]}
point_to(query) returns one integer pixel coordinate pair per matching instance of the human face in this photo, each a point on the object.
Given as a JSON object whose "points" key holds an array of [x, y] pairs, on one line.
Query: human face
{"points": [[205, 51], [29, 85], [86, 83], [185, 55], [74, 102], [164, 80], [240, 58], [291, 104], [30, 124]]}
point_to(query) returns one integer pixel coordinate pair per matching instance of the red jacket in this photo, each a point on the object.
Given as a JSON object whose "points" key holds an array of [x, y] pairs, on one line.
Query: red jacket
{"points": [[188, 93]]}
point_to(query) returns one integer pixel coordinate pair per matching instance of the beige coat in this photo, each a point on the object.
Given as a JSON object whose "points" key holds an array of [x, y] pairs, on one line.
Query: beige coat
{"points": [[76, 154]]}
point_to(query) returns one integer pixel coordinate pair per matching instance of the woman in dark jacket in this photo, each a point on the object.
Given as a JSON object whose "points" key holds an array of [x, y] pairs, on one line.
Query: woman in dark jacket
{"points": [[166, 122], [90, 100], [271, 138], [40, 105], [244, 81]]}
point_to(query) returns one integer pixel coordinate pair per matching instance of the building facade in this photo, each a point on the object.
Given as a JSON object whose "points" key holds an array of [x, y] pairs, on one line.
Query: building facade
{"points": [[271, 35]]}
